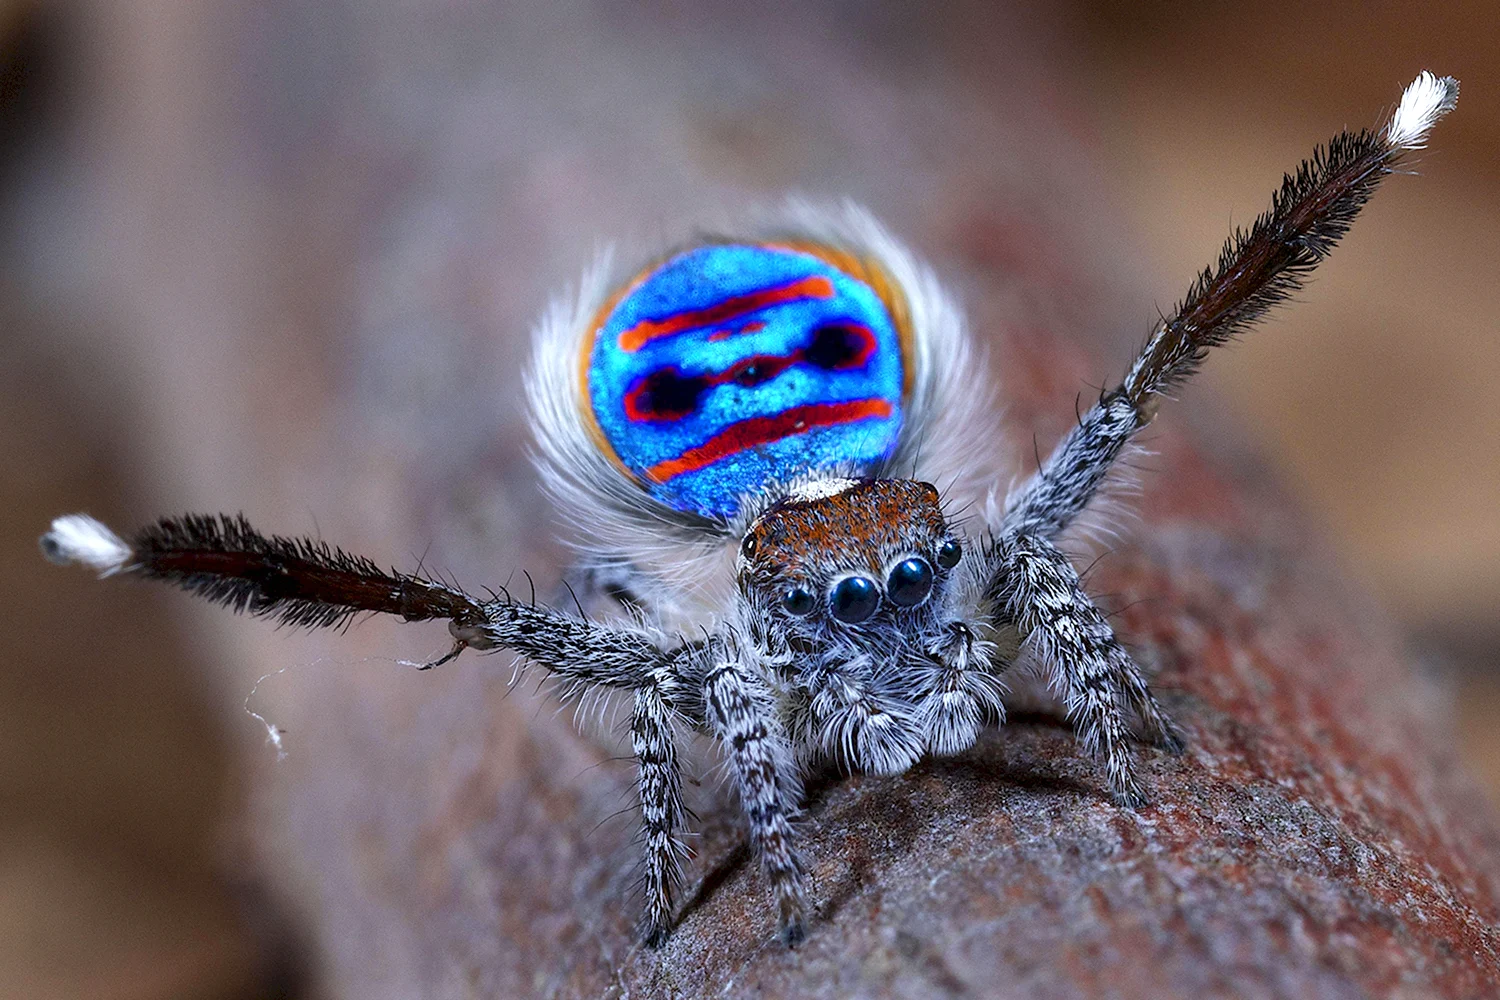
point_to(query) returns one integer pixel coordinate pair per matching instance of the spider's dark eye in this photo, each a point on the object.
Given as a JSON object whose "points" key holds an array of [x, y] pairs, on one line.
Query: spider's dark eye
{"points": [[853, 599], [798, 601], [747, 547], [949, 555], [910, 582]]}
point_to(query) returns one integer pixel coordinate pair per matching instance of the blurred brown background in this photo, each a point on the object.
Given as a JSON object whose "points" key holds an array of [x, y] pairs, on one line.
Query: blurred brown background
{"points": [[255, 256]]}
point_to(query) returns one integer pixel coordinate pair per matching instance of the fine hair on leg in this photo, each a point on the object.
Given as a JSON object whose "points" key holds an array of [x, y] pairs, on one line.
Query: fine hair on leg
{"points": [[741, 712], [1257, 269]]}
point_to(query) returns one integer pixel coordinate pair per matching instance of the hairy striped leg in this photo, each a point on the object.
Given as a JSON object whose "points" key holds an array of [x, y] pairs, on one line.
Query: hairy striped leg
{"points": [[305, 582], [1039, 590], [612, 589], [741, 711], [659, 781], [1256, 270]]}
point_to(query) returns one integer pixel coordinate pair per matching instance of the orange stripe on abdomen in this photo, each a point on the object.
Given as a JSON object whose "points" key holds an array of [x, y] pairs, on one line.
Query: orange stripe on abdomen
{"points": [[757, 431], [647, 330]]}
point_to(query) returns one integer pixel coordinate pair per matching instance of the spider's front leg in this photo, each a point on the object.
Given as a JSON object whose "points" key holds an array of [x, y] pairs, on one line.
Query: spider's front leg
{"points": [[1038, 589], [300, 581], [742, 713], [659, 781]]}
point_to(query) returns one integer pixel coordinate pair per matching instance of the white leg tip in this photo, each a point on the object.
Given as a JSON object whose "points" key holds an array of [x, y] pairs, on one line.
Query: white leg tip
{"points": [[1427, 99], [78, 538]]}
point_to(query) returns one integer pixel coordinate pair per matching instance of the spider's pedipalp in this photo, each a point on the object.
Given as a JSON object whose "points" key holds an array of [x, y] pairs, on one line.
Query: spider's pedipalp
{"points": [[851, 718], [963, 689]]}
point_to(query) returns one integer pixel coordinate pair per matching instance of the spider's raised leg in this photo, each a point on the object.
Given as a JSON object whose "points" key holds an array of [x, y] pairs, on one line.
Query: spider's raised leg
{"points": [[1038, 589], [741, 712], [305, 582], [1256, 270]]}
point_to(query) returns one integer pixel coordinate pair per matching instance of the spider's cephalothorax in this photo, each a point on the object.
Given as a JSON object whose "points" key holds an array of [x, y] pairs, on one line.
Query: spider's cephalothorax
{"points": [[849, 556], [855, 598], [745, 433]]}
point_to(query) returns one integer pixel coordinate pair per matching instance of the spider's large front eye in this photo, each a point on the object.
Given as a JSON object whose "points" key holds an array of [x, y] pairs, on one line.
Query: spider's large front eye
{"points": [[853, 599], [798, 601], [909, 583]]}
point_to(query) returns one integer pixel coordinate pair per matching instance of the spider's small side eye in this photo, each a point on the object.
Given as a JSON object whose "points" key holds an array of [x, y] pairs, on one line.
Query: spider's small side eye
{"points": [[910, 582], [798, 601], [853, 599], [949, 555], [747, 547]]}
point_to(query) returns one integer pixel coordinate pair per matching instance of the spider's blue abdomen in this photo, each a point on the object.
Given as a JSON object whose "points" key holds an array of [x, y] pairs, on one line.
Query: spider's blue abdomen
{"points": [[731, 366]]}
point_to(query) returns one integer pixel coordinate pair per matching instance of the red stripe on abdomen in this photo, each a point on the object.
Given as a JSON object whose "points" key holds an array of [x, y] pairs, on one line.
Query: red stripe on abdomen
{"points": [[647, 330], [757, 431]]}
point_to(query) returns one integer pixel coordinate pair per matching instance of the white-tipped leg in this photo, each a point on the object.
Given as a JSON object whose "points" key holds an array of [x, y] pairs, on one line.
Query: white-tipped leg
{"points": [[1427, 99], [1256, 271], [78, 538]]}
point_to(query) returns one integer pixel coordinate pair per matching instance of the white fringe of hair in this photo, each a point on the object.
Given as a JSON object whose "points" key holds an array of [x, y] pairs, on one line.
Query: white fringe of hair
{"points": [[78, 538], [1424, 101]]}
